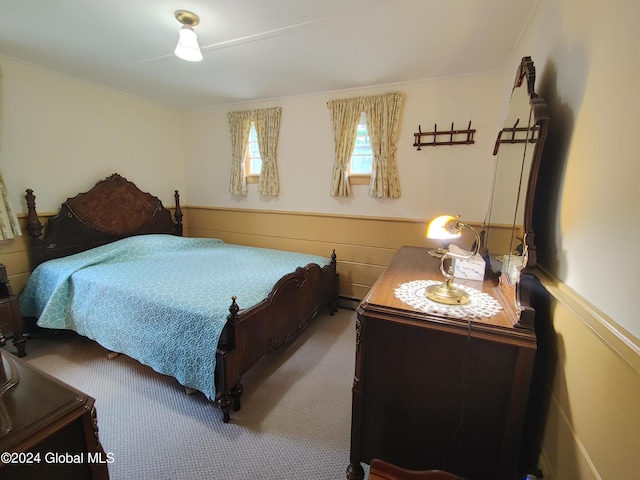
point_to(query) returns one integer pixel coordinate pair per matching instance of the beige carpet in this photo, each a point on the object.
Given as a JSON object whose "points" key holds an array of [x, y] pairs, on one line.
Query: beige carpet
{"points": [[294, 424]]}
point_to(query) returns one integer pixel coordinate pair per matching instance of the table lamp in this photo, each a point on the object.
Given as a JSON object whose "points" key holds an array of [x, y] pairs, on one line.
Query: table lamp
{"points": [[446, 227]]}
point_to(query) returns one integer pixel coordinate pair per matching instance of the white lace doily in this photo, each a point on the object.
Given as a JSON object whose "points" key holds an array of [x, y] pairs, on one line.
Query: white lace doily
{"points": [[480, 304]]}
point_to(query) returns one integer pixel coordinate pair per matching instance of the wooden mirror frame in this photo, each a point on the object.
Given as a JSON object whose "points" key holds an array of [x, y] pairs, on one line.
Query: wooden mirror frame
{"points": [[517, 291]]}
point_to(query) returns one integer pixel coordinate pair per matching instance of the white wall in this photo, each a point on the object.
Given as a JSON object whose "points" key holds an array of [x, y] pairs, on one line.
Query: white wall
{"points": [[435, 180], [586, 55], [62, 135]]}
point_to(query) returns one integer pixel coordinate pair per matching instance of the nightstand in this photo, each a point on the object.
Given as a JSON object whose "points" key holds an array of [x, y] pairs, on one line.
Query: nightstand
{"points": [[11, 323]]}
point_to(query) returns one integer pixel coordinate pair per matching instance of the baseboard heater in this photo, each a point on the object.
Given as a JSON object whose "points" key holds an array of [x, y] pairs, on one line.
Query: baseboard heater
{"points": [[348, 302]]}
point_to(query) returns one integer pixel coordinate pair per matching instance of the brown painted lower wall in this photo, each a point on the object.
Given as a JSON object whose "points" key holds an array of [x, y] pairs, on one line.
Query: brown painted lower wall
{"points": [[14, 256], [592, 386], [364, 245]]}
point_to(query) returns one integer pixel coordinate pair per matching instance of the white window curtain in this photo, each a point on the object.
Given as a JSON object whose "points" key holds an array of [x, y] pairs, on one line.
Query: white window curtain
{"points": [[345, 116], [267, 122], [239, 125], [383, 113], [9, 225]]}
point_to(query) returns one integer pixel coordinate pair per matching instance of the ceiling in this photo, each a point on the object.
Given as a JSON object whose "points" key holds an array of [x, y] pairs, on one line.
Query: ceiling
{"points": [[260, 49]]}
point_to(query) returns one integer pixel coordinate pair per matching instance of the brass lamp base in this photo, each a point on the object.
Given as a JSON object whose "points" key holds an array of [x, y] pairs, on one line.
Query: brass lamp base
{"points": [[446, 293]]}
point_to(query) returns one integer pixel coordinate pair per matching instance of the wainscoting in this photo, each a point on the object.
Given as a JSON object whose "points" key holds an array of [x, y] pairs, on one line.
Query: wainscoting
{"points": [[590, 382], [14, 256], [364, 245]]}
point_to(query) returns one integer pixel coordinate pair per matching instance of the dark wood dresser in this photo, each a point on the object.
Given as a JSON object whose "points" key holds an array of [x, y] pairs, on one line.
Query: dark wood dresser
{"points": [[47, 428], [433, 392]]}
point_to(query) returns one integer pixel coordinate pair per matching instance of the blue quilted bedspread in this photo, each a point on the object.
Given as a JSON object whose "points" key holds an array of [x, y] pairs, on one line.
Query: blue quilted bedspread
{"points": [[160, 299]]}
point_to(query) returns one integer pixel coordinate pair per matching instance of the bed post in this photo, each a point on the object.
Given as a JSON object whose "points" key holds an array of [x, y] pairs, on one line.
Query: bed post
{"points": [[335, 281], [178, 213], [34, 227], [228, 397]]}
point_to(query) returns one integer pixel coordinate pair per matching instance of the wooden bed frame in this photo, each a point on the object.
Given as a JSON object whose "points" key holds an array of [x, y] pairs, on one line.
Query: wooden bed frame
{"points": [[115, 208]]}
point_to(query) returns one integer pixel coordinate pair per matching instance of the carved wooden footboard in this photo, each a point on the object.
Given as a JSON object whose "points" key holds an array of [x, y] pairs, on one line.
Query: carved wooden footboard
{"points": [[115, 208], [253, 333]]}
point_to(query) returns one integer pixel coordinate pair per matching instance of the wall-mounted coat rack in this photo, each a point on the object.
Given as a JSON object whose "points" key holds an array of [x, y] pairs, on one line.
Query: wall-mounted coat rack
{"points": [[516, 135], [450, 134]]}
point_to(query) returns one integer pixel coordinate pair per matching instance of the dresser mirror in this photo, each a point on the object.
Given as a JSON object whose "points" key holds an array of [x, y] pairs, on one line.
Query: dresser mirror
{"points": [[507, 234]]}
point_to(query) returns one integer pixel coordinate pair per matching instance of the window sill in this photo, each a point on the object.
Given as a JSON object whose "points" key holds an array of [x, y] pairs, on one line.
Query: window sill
{"points": [[359, 179], [252, 178]]}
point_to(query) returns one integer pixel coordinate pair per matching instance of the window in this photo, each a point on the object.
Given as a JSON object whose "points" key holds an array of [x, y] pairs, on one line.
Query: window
{"points": [[379, 171], [361, 163], [247, 165], [252, 159]]}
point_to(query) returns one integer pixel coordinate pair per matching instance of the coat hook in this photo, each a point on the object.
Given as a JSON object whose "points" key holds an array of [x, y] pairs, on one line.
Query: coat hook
{"points": [[451, 133]]}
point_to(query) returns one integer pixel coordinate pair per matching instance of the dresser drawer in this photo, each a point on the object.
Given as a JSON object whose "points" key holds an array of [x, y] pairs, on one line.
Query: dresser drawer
{"points": [[8, 311], [11, 324]]}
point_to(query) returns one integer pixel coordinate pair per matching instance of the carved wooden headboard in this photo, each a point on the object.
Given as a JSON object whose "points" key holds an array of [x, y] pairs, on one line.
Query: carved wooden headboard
{"points": [[113, 209]]}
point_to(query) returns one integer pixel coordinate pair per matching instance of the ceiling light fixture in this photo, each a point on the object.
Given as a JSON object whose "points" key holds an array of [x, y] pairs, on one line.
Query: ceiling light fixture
{"points": [[188, 48]]}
